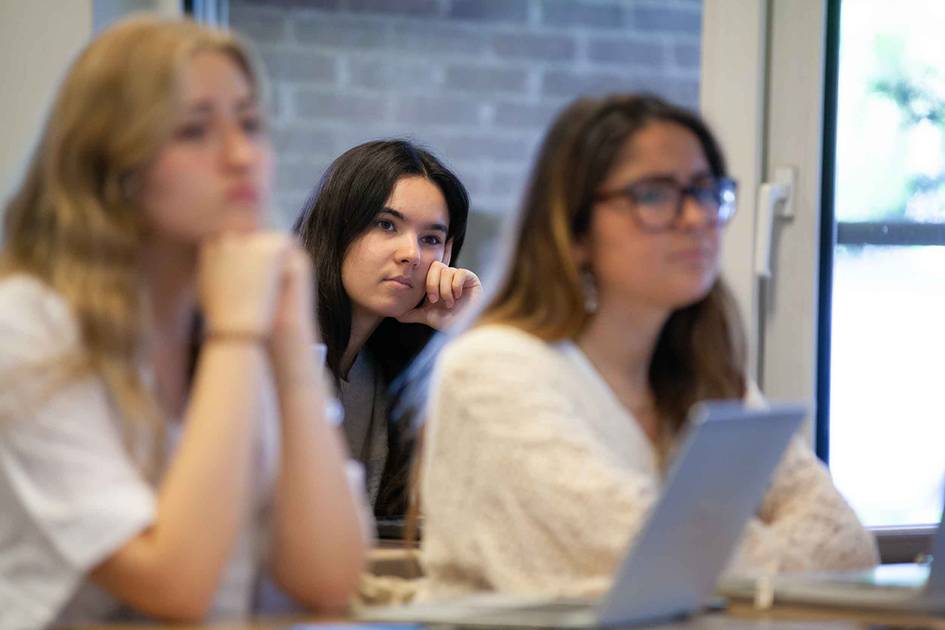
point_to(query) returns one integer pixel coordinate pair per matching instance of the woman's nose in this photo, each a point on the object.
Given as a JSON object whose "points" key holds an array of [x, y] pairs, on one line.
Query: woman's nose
{"points": [[408, 251], [693, 215], [239, 150]]}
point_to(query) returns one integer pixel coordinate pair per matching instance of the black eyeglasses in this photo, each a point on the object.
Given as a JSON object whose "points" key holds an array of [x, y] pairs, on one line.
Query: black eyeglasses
{"points": [[657, 203]]}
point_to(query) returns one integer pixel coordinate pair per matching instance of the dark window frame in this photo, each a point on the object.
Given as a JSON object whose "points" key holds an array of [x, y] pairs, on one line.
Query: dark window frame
{"points": [[890, 233]]}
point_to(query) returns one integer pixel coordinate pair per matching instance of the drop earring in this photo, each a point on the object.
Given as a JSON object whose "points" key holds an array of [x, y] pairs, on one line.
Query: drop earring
{"points": [[589, 285]]}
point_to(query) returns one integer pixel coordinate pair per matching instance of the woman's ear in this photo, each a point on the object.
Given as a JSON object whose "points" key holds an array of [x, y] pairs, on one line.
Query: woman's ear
{"points": [[447, 252]]}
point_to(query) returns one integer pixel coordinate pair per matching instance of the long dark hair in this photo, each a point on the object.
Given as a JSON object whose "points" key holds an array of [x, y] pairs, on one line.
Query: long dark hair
{"points": [[700, 351], [340, 209]]}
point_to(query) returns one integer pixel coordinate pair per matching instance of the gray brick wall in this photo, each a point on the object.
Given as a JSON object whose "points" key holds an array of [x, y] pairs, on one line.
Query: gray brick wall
{"points": [[476, 81]]}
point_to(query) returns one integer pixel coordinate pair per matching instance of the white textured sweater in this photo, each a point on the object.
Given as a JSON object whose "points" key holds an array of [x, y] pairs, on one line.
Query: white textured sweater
{"points": [[535, 479]]}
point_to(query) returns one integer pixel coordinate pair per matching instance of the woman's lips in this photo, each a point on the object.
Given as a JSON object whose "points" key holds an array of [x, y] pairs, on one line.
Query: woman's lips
{"points": [[248, 195], [400, 281], [693, 256]]}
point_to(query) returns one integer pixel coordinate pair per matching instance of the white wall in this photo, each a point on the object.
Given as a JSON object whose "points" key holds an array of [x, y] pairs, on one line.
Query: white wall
{"points": [[38, 39]]}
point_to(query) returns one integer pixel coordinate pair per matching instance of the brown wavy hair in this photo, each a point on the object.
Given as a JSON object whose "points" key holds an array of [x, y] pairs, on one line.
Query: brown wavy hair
{"points": [[73, 223], [700, 352], [536, 286]]}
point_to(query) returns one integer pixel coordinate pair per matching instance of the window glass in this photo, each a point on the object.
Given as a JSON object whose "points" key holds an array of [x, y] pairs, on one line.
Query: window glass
{"points": [[887, 391]]}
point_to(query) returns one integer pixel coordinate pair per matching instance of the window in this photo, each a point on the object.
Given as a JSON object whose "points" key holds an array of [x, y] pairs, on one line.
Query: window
{"points": [[852, 98], [886, 410]]}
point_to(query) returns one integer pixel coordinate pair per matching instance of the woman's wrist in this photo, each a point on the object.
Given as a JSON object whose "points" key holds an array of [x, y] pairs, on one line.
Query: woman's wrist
{"points": [[292, 356], [236, 336], [293, 339]]}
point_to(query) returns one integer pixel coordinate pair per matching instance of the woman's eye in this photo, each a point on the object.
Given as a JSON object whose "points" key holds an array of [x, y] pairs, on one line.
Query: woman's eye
{"points": [[191, 131], [431, 240], [385, 225], [651, 195], [706, 195], [252, 125]]}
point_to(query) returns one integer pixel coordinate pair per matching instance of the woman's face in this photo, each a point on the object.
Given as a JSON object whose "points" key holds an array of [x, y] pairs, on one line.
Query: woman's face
{"points": [[635, 266], [214, 174], [385, 268]]}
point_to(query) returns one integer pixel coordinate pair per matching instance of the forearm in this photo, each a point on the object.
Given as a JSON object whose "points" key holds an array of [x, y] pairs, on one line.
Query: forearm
{"points": [[813, 526], [820, 532], [318, 549], [173, 568]]}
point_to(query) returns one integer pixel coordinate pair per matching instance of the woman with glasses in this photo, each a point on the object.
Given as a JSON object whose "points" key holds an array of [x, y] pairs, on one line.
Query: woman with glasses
{"points": [[553, 417]]}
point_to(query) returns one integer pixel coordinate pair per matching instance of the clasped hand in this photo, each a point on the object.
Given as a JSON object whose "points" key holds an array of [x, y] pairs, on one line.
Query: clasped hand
{"points": [[257, 285]]}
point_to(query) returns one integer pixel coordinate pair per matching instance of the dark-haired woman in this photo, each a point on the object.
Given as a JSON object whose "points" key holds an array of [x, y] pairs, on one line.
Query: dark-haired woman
{"points": [[384, 228], [552, 418]]}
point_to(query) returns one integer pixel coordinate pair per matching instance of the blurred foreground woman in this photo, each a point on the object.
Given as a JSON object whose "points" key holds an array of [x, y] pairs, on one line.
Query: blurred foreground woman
{"points": [[163, 447]]}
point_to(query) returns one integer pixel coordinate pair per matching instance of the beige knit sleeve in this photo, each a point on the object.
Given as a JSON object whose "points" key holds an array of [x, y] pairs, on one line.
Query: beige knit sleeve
{"points": [[518, 496], [804, 524]]}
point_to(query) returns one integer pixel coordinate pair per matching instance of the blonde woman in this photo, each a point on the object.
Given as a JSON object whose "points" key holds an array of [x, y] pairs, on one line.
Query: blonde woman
{"points": [[148, 468], [552, 419]]}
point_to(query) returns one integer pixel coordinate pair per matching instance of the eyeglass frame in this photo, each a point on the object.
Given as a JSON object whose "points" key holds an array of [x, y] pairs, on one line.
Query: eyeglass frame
{"points": [[723, 184]]}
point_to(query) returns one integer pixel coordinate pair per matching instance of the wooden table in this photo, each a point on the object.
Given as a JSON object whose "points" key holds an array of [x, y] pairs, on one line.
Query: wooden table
{"points": [[396, 561], [861, 619], [736, 618]]}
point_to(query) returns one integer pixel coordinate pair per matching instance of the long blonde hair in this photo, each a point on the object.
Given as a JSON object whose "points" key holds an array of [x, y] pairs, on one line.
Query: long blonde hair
{"points": [[74, 224]]}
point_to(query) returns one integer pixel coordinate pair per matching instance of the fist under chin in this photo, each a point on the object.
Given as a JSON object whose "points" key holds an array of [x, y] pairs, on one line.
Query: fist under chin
{"points": [[244, 222]]}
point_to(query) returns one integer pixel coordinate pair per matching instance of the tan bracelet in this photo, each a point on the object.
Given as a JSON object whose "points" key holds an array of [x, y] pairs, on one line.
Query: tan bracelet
{"points": [[237, 336]]}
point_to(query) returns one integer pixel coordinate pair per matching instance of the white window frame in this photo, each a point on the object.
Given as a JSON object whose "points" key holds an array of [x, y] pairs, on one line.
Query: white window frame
{"points": [[761, 90]]}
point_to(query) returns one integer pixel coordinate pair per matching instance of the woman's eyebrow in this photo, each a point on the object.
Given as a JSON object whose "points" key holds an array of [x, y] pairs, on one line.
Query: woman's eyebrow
{"points": [[436, 227], [199, 107], [669, 177], [248, 103], [207, 106]]}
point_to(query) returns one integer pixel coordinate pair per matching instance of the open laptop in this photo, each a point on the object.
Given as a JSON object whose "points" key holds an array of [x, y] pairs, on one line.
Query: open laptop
{"points": [[916, 588], [716, 482]]}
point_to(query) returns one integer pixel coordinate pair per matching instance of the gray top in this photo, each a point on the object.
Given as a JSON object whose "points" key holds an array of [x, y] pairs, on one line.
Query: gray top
{"points": [[365, 400]]}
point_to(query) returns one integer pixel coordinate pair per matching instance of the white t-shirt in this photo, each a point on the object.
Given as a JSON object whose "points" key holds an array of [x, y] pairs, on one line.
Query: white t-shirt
{"points": [[70, 494]]}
